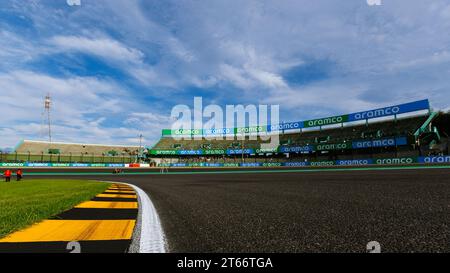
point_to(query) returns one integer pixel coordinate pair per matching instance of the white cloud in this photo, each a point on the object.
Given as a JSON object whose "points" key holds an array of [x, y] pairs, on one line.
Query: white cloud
{"points": [[106, 48], [81, 107], [393, 53]]}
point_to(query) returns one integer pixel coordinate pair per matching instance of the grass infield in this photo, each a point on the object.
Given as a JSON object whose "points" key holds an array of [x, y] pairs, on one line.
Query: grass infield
{"points": [[26, 202]]}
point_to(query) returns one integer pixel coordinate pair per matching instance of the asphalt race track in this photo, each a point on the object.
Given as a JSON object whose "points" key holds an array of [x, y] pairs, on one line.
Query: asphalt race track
{"points": [[334, 211]]}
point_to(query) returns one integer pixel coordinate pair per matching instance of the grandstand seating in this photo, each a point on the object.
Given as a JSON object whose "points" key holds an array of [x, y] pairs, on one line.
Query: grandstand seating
{"points": [[39, 147], [400, 127], [57, 152]]}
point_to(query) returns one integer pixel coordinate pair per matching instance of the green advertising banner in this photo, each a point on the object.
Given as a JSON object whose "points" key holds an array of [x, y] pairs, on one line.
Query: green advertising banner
{"points": [[272, 164], [267, 150], [163, 152], [249, 130], [396, 161], [60, 164], [182, 132], [325, 121], [231, 164], [12, 164]]}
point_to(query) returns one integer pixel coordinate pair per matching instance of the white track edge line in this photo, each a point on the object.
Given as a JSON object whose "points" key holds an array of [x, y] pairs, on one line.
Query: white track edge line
{"points": [[152, 235]]}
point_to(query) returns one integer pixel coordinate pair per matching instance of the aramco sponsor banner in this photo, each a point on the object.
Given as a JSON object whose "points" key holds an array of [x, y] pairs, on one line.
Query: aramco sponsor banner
{"points": [[396, 161], [163, 152], [391, 110], [39, 165], [384, 142], [333, 146], [286, 126], [325, 121], [296, 149], [321, 163], [434, 159], [350, 162], [267, 150], [12, 164], [250, 130], [214, 152], [190, 152], [63, 165], [354, 162], [296, 164], [240, 151]]}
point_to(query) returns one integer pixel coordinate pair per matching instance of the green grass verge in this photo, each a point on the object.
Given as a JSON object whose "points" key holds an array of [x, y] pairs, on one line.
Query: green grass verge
{"points": [[27, 202]]}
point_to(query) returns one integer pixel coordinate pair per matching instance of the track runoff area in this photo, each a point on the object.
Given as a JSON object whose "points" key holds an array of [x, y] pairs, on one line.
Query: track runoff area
{"points": [[295, 210], [103, 224]]}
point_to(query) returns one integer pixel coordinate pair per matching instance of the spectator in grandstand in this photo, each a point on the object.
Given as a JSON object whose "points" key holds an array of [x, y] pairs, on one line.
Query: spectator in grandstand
{"points": [[7, 175], [19, 174]]}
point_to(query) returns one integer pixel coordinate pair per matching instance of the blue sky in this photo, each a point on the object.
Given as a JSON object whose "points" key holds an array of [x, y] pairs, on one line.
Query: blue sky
{"points": [[115, 68]]}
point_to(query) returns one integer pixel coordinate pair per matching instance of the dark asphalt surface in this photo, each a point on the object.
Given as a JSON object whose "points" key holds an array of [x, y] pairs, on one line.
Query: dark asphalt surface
{"points": [[404, 210]]}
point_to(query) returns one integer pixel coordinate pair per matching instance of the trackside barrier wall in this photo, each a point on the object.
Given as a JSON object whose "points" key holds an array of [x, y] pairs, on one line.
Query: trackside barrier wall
{"points": [[354, 162]]}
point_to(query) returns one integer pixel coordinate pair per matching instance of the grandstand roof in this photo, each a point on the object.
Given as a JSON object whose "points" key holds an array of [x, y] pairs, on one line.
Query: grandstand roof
{"points": [[34, 146]]}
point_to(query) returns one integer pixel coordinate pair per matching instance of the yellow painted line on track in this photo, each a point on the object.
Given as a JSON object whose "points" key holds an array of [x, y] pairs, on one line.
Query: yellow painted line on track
{"points": [[112, 195], [118, 191], [74, 230], [108, 205]]}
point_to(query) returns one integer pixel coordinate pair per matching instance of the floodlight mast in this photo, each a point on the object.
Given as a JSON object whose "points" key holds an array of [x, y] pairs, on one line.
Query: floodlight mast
{"points": [[47, 107], [140, 153]]}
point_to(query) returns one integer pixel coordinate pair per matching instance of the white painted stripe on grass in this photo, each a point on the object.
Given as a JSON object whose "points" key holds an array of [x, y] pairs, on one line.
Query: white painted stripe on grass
{"points": [[152, 235]]}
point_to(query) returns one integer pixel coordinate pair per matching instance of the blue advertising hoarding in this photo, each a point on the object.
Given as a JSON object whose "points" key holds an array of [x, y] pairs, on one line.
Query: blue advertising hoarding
{"points": [[296, 149], [190, 152], [391, 110], [239, 151], [434, 159], [384, 142], [286, 126]]}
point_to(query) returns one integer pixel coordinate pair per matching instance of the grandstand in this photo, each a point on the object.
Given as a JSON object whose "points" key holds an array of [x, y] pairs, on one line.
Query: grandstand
{"points": [[413, 131], [404, 127], [43, 151], [418, 133]]}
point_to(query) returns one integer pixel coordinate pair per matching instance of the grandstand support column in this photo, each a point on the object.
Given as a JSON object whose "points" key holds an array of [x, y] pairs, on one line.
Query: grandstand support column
{"points": [[242, 146], [419, 147], [371, 150], [448, 145], [396, 146]]}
